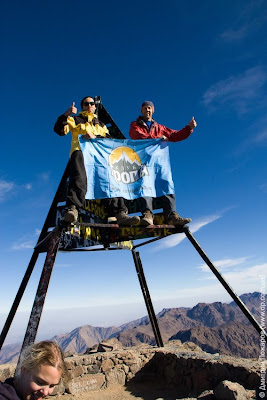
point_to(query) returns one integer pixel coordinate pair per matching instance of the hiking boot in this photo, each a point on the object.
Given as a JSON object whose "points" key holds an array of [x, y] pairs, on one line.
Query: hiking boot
{"points": [[71, 214], [175, 219], [124, 219], [147, 218]]}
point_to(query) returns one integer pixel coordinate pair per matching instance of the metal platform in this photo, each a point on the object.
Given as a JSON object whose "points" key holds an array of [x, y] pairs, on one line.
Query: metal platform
{"points": [[93, 233]]}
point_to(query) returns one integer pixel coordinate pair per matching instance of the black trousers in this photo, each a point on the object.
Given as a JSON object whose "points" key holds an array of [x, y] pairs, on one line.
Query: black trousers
{"points": [[78, 180], [115, 206], [78, 186], [167, 202]]}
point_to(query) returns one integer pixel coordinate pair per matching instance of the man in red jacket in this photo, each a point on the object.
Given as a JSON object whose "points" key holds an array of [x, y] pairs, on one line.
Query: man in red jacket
{"points": [[146, 128]]}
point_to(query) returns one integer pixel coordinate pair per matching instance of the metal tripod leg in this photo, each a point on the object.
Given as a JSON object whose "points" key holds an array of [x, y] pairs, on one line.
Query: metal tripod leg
{"points": [[18, 297], [39, 300], [27, 275], [237, 300], [145, 291]]}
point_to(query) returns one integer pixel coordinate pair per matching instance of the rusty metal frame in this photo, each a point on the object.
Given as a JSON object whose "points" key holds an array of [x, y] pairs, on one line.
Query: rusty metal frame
{"points": [[54, 237], [41, 292]]}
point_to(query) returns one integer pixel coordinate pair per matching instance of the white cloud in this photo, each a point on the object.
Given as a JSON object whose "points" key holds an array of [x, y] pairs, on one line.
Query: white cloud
{"points": [[250, 274], [171, 241], [255, 140], [174, 240], [261, 137], [64, 265], [198, 224], [250, 277], [235, 34], [250, 19], [45, 176], [237, 92], [190, 296], [28, 186], [245, 281], [223, 264], [5, 187], [22, 245], [28, 241]]}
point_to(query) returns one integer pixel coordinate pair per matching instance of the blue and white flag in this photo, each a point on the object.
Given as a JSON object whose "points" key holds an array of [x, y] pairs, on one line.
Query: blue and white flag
{"points": [[126, 168]]}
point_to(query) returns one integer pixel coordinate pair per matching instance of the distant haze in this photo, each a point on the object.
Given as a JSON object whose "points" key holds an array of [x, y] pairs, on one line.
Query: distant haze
{"points": [[57, 321]]}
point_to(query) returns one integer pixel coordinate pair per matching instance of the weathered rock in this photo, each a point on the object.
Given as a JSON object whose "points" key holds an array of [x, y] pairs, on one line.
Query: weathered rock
{"points": [[201, 378], [129, 376], [69, 364], [251, 394], [86, 383], [104, 346], [91, 350], [69, 353], [77, 371], [125, 368], [228, 390], [135, 364], [191, 346], [87, 360], [59, 389], [115, 377], [93, 369], [207, 395], [106, 365], [79, 360], [111, 344], [173, 366]]}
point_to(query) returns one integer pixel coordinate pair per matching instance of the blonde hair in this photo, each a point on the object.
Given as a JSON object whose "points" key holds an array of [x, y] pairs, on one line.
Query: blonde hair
{"points": [[42, 353]]}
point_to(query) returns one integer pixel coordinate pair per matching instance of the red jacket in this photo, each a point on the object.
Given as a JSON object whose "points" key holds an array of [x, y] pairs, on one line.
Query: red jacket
{"points": [[140, 130]]}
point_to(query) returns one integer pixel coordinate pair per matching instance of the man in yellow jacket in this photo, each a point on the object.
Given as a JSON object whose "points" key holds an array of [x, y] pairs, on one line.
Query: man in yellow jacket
{"points": [[85, 123]]}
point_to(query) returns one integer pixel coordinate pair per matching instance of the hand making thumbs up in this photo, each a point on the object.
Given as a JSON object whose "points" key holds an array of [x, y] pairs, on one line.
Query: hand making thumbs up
{"points": [[192, 123], [71, 110]]}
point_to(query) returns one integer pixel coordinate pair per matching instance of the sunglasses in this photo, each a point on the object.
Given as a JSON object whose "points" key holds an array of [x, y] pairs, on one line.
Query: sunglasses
{"points": [[87, 103]]}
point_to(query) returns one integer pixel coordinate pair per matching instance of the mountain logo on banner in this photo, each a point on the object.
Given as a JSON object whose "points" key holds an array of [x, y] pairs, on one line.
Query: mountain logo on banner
{"points": [[126, 166]]}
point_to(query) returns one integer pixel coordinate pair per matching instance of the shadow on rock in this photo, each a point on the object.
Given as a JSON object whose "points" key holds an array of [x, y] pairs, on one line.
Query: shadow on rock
{"points": [[168, 377]]}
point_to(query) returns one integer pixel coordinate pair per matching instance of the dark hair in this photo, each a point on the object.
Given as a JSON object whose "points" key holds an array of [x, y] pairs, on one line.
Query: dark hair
{"points": [[92, 97]]}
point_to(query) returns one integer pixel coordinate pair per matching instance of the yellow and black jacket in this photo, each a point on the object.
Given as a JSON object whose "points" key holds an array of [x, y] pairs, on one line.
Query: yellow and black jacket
{"points": [[84, 123]]}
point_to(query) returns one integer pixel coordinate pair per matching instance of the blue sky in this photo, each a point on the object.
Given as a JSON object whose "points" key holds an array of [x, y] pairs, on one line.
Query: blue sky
{"points": [[201, 59]]}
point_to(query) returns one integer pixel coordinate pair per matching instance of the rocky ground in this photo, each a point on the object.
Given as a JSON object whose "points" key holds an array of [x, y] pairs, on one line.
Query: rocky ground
{"points": [[119, 392], [150, 392], [177, 371], [115, 393]]}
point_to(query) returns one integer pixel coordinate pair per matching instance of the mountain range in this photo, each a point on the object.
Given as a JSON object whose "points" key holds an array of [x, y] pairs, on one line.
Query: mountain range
{"points": [[216, 327]]}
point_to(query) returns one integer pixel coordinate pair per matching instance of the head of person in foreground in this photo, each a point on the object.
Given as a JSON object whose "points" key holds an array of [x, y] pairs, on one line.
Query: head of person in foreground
{"points": [[41, 368]]}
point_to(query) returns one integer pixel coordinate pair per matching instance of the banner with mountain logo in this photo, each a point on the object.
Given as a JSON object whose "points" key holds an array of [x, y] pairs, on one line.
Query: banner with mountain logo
{"points": [[126, 168]]}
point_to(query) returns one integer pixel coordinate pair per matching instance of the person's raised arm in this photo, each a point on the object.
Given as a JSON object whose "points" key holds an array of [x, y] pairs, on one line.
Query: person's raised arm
{"points": [[59, 127], [182, 134], [71, 110], [192, 123]]}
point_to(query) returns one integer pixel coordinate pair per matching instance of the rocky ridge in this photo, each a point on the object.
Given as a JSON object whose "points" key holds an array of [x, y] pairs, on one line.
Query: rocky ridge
{"points": [[174, 372], [216, 327]]}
